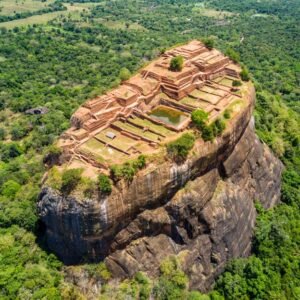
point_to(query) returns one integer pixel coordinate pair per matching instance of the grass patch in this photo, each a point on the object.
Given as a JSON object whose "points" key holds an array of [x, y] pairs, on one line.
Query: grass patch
{"points": [[100, 151], [212, 13], [111, 24], [138, 131], [72, 11], [156, 128], [193, 102], [226, 81], [179, 149], [12, 7], [213, 99]]}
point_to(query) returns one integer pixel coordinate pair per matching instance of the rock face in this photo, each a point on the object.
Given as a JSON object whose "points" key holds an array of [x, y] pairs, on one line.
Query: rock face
{"points": [[202, 210]]}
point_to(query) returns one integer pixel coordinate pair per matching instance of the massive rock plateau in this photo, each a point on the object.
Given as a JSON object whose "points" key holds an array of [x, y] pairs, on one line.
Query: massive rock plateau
{"points": [[201, 210]]}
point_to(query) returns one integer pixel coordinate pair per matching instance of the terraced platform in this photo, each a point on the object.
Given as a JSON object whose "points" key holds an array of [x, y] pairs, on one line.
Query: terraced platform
{"points": [[152, 107]]}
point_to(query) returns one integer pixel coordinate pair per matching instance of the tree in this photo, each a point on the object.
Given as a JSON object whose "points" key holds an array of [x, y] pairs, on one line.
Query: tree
{"points": [[124, 74], [233, 55], [104, 184], [236, 83], [179, 149], [199, 118], [245, 74], [172, 283], [209, 43], [70, 179], [176, 63], [10, 188]]}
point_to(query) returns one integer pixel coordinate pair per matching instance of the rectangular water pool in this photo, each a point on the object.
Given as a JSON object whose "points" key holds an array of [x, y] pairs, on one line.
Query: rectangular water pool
{"points": [[168, 115]]}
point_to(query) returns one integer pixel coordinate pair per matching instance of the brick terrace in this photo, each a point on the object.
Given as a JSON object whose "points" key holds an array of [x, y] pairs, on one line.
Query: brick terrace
{"points": [[117, 126]]}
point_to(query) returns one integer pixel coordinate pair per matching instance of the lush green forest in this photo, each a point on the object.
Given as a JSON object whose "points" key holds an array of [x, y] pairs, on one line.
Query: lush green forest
{"points": [[63, 63]]}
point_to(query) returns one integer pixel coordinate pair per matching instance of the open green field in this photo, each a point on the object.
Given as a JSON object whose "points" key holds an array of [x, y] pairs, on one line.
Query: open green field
{"points": [[120, 24], [193, 102], [212, 13], [120, 141], [226, 81], [100, 151], [72, 10], [213, 99], [11, 7], [209, 89], [135, 130], [156, 128]]}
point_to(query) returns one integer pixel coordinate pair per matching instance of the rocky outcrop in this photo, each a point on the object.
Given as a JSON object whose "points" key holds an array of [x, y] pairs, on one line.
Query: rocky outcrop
{"points": [[202, 210], [207, 222]]}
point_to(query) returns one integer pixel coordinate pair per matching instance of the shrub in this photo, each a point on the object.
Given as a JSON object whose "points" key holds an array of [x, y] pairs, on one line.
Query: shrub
{"points": [[124, 74], [227, 114], [116, 172], [199, 118], [209, 43], [2, 134], [172, 283], [179, 149], [233, 55], [52, 155], [89, 187], [245, 74], [219, 127], [70, 179], [104, 184], [176, 63], [236, 83], [195, 295], [98, 270], [208, 133], [128, 169], [54, 178], [145, 288], [140, 163], [10, 188]]}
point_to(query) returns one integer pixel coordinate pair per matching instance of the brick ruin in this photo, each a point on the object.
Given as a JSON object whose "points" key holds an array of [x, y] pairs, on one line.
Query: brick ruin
{"points": [[119, 125]]}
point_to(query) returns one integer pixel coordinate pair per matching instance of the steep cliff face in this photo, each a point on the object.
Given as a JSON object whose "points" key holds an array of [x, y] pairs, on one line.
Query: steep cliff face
{"points": [[207, 222], [202, 210]]}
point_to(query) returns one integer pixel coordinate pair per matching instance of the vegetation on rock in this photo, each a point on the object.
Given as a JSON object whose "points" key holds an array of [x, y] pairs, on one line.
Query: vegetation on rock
{"points": [[179, 149], [208, 132], [176, 63], [128, 169], [104, 184], [70, 179]]}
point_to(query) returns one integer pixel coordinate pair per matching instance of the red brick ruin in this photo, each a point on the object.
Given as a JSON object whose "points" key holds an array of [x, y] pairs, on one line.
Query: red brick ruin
{"points": [[119, 125]]}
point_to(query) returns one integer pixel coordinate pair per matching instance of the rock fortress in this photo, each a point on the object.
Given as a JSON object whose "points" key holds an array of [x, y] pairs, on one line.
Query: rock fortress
{"points": [[200, 210], [152, 107]]}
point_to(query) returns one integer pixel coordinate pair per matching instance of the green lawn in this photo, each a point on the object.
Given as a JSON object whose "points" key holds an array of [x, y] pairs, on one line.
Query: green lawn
{"points": [[212, 90], [119, 24], [156, 128], [226, 81], [120, 141], [138, 131], [72, 10], [193, 102], [205, 96], [100, 151], [11, 7], [212, 13]]}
